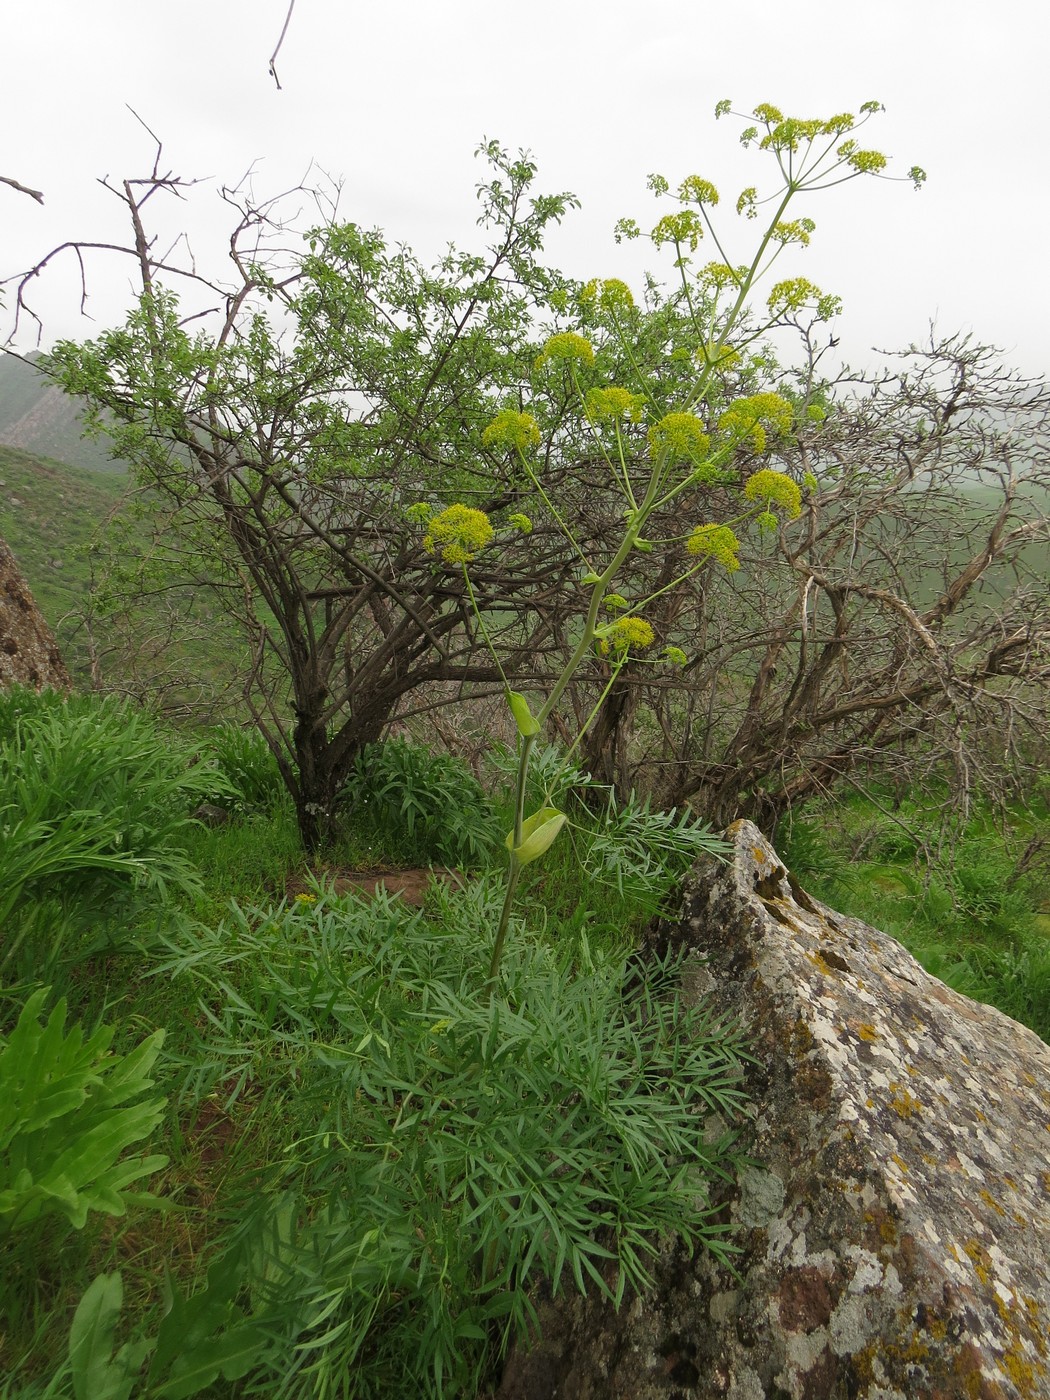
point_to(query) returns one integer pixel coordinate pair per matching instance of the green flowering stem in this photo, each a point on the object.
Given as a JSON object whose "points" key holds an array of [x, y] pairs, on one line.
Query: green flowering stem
{"points": [[561, 523], [621, 471], [618, 468], [525, 743], [484, 630], [513, 876], [754, 271], [716, 461], [617, 668], [624, 474], [598, 591]]}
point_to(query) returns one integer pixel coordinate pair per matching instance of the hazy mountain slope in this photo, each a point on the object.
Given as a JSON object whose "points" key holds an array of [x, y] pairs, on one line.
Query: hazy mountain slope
{"points": [[37, 417]]}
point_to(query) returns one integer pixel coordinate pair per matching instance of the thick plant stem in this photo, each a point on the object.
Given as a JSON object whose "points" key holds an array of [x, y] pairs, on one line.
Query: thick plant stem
{"points": [[527, 741], [514, 870], [513, 874]]}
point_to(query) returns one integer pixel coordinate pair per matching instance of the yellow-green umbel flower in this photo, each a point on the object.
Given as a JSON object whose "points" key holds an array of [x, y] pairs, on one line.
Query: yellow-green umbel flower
{"points": [[516, 431], [458, 533], [717, 542], [678, 435], [520, 522], [697, 190], [749, 419], [674, 656], [610, 295], [613, 403], [684, 229], [775, 489], [625, 633], [567, 345]]}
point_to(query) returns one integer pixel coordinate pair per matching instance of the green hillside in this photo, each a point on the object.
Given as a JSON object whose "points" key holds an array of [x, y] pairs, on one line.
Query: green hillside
{"points": [[177, 650], [49, 513]]}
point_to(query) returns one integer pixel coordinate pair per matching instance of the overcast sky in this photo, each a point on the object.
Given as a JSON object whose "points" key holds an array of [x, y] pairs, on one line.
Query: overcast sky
{"points": [[394, 97]]}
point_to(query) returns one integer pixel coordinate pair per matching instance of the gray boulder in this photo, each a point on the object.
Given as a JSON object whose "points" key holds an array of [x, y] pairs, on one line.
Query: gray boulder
{"points": [[895, 1223]]}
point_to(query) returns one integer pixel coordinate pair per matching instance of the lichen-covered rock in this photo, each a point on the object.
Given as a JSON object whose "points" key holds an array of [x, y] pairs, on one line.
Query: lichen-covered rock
{"points": [[895, 1223], [29, 654]]}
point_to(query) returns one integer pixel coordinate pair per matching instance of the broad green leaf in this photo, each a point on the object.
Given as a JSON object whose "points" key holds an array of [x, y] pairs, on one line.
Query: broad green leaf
{"points": [[97, 1374], [230, 1355], [61, 1136], [193, 1320]]}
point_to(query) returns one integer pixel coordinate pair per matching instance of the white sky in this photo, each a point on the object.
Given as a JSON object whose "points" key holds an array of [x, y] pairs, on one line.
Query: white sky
{"points": [[394, 98]]}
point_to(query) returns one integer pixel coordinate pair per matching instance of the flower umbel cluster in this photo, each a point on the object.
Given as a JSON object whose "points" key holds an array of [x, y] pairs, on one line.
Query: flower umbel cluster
{"points": [[567, 345], [775, 489], [717, 542], [625, 633], [749, 419], [516, 431], [610, 295], [678, 435], [458, 533], [613, 403], [795, 293]]}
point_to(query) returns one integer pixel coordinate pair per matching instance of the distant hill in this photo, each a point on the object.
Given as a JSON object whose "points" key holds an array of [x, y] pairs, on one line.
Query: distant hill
{"points": [[49, 513], [37, 417], [176, 649]]}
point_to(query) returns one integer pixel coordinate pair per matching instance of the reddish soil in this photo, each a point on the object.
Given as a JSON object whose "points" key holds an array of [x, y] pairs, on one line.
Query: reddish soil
{"points": [[411, 885]]}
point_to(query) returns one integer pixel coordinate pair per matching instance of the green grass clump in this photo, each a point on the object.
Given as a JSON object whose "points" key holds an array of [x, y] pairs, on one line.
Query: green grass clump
{"points": [[446, 1149], [250, 779], [94, 801], [421, 807]]}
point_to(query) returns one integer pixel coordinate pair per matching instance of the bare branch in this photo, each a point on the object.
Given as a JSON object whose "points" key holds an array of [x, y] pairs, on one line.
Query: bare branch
{"points": [[22, 189], [280, 41]]}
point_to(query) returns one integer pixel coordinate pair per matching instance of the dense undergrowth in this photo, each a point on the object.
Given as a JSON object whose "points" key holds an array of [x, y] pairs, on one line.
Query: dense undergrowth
{"points": [[262, 1143]]}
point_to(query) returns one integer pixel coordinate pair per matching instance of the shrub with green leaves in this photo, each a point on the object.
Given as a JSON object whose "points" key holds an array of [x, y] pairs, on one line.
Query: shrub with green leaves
{"points": [[631, 846], [422, 807], [69, 1109], [448, 1148]]}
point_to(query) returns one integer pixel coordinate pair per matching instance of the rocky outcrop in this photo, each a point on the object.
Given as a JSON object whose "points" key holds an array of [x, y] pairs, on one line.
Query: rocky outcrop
{"points": [[894, 1222], [29, 654]]}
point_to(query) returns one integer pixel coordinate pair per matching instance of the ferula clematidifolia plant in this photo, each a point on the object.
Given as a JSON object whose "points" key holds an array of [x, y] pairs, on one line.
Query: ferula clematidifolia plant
{"points": [[665, 443]]}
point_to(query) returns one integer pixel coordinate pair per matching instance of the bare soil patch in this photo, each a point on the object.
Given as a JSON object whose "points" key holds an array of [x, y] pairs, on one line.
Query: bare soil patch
{"points": [[410, 885]]}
